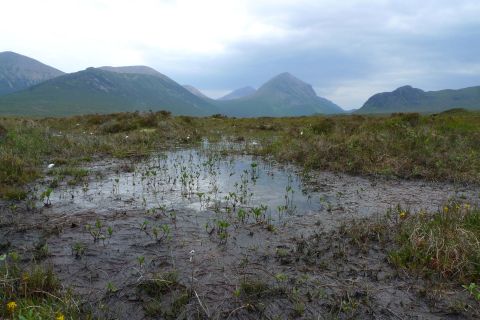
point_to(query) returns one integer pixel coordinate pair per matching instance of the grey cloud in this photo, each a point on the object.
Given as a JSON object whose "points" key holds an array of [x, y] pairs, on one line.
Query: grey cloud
{"points": [[374, 44]]}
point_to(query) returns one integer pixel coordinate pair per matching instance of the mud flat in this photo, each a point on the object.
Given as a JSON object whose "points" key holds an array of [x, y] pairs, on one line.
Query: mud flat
{"points": [[199, 233]]}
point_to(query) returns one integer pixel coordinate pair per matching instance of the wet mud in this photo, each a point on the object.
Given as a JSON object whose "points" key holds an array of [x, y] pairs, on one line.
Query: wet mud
{"points": [[198, 233]]}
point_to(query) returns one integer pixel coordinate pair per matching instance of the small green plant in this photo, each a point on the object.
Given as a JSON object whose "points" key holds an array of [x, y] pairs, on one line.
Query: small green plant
{"points": [[141, 260], [474, 290], [46, 197], [97, 231], [78, 249], [222, 229], [111, 288]]}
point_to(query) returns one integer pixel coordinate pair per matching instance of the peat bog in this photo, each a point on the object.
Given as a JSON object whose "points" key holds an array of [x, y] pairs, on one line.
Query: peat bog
{"points": [[152, 216]]}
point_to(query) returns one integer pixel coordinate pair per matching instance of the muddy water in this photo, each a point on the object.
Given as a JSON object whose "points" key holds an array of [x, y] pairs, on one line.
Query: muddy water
{"points": [[212, 218]]}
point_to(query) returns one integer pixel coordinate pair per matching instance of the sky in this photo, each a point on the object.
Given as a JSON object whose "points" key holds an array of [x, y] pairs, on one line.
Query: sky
{"points": [[347, 50]]}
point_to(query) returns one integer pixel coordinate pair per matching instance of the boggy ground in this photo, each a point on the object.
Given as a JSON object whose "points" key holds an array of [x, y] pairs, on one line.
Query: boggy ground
{"points": [[199, 233]]}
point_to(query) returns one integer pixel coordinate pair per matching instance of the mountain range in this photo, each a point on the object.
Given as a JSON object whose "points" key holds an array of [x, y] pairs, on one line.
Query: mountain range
{"points": [[49, 92], [409, 99], [29, 87]]}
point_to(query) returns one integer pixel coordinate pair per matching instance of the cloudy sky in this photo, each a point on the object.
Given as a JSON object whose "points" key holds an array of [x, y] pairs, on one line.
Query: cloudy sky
{"points": [[348, 50]]}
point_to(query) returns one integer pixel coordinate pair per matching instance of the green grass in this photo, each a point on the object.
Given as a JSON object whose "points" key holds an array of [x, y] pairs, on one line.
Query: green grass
{"points": [[34, 293]]}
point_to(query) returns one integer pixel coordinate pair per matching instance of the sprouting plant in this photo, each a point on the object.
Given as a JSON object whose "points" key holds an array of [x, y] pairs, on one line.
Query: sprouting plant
{"points": [[474, 290], [141, 260], [78, 249], [111, 288], [166, 231], [200, 198], [116, 186], [98, 224], [110, 231], [173, 216], [13, 208], [46, 197], [281, 277], [254, 171], [97, 232], [259, 212], [144, 225], [289, 191], [155, 233], [242, 214], [85, 187], [222, 229]]}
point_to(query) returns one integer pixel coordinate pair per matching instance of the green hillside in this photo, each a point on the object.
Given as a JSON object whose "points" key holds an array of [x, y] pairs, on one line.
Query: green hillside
{"points": [[99, 91], [408, 99]]}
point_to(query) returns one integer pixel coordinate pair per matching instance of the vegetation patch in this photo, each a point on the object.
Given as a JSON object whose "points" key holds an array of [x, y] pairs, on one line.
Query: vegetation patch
{"points": [[445, 243], [165, 295], [34, 293]]}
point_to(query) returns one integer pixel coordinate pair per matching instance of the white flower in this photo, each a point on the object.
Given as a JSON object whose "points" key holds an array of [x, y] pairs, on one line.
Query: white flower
{"points": [[126, 137], [301, 133], [51, 165]]}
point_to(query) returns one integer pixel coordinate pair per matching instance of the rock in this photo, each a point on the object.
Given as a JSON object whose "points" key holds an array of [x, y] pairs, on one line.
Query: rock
{"points": [[382, 275]]}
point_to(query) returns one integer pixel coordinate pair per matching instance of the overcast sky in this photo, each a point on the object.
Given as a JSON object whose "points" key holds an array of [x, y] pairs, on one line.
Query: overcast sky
{"points": [[348, 50]]}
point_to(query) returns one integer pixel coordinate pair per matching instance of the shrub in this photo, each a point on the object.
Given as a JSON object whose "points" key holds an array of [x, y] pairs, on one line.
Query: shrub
{"points": [[323, 126], [116, 126]]}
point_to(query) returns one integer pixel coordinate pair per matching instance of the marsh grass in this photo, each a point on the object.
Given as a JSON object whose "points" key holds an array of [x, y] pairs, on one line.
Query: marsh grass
{"points": [[36, 292], [442, 245], [434, 147], [445, 243]]}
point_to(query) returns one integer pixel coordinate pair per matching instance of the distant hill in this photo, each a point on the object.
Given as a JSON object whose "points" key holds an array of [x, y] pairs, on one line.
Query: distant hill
{"points": [[18, 72], [195, 91], [409, 99], [284, 95], [239, 93], [100, 91]]}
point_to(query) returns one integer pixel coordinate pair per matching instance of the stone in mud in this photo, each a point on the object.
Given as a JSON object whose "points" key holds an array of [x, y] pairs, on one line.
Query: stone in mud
{"points": [[382, 275]]}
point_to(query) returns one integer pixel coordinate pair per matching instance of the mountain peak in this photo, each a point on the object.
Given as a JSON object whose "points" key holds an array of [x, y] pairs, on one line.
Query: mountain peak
{"points": [[287, 84], [407, 89], [239, 93], [18, 72], [195, 91], [10, 54], [283, 95], [286, 76], [402, 99]]}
